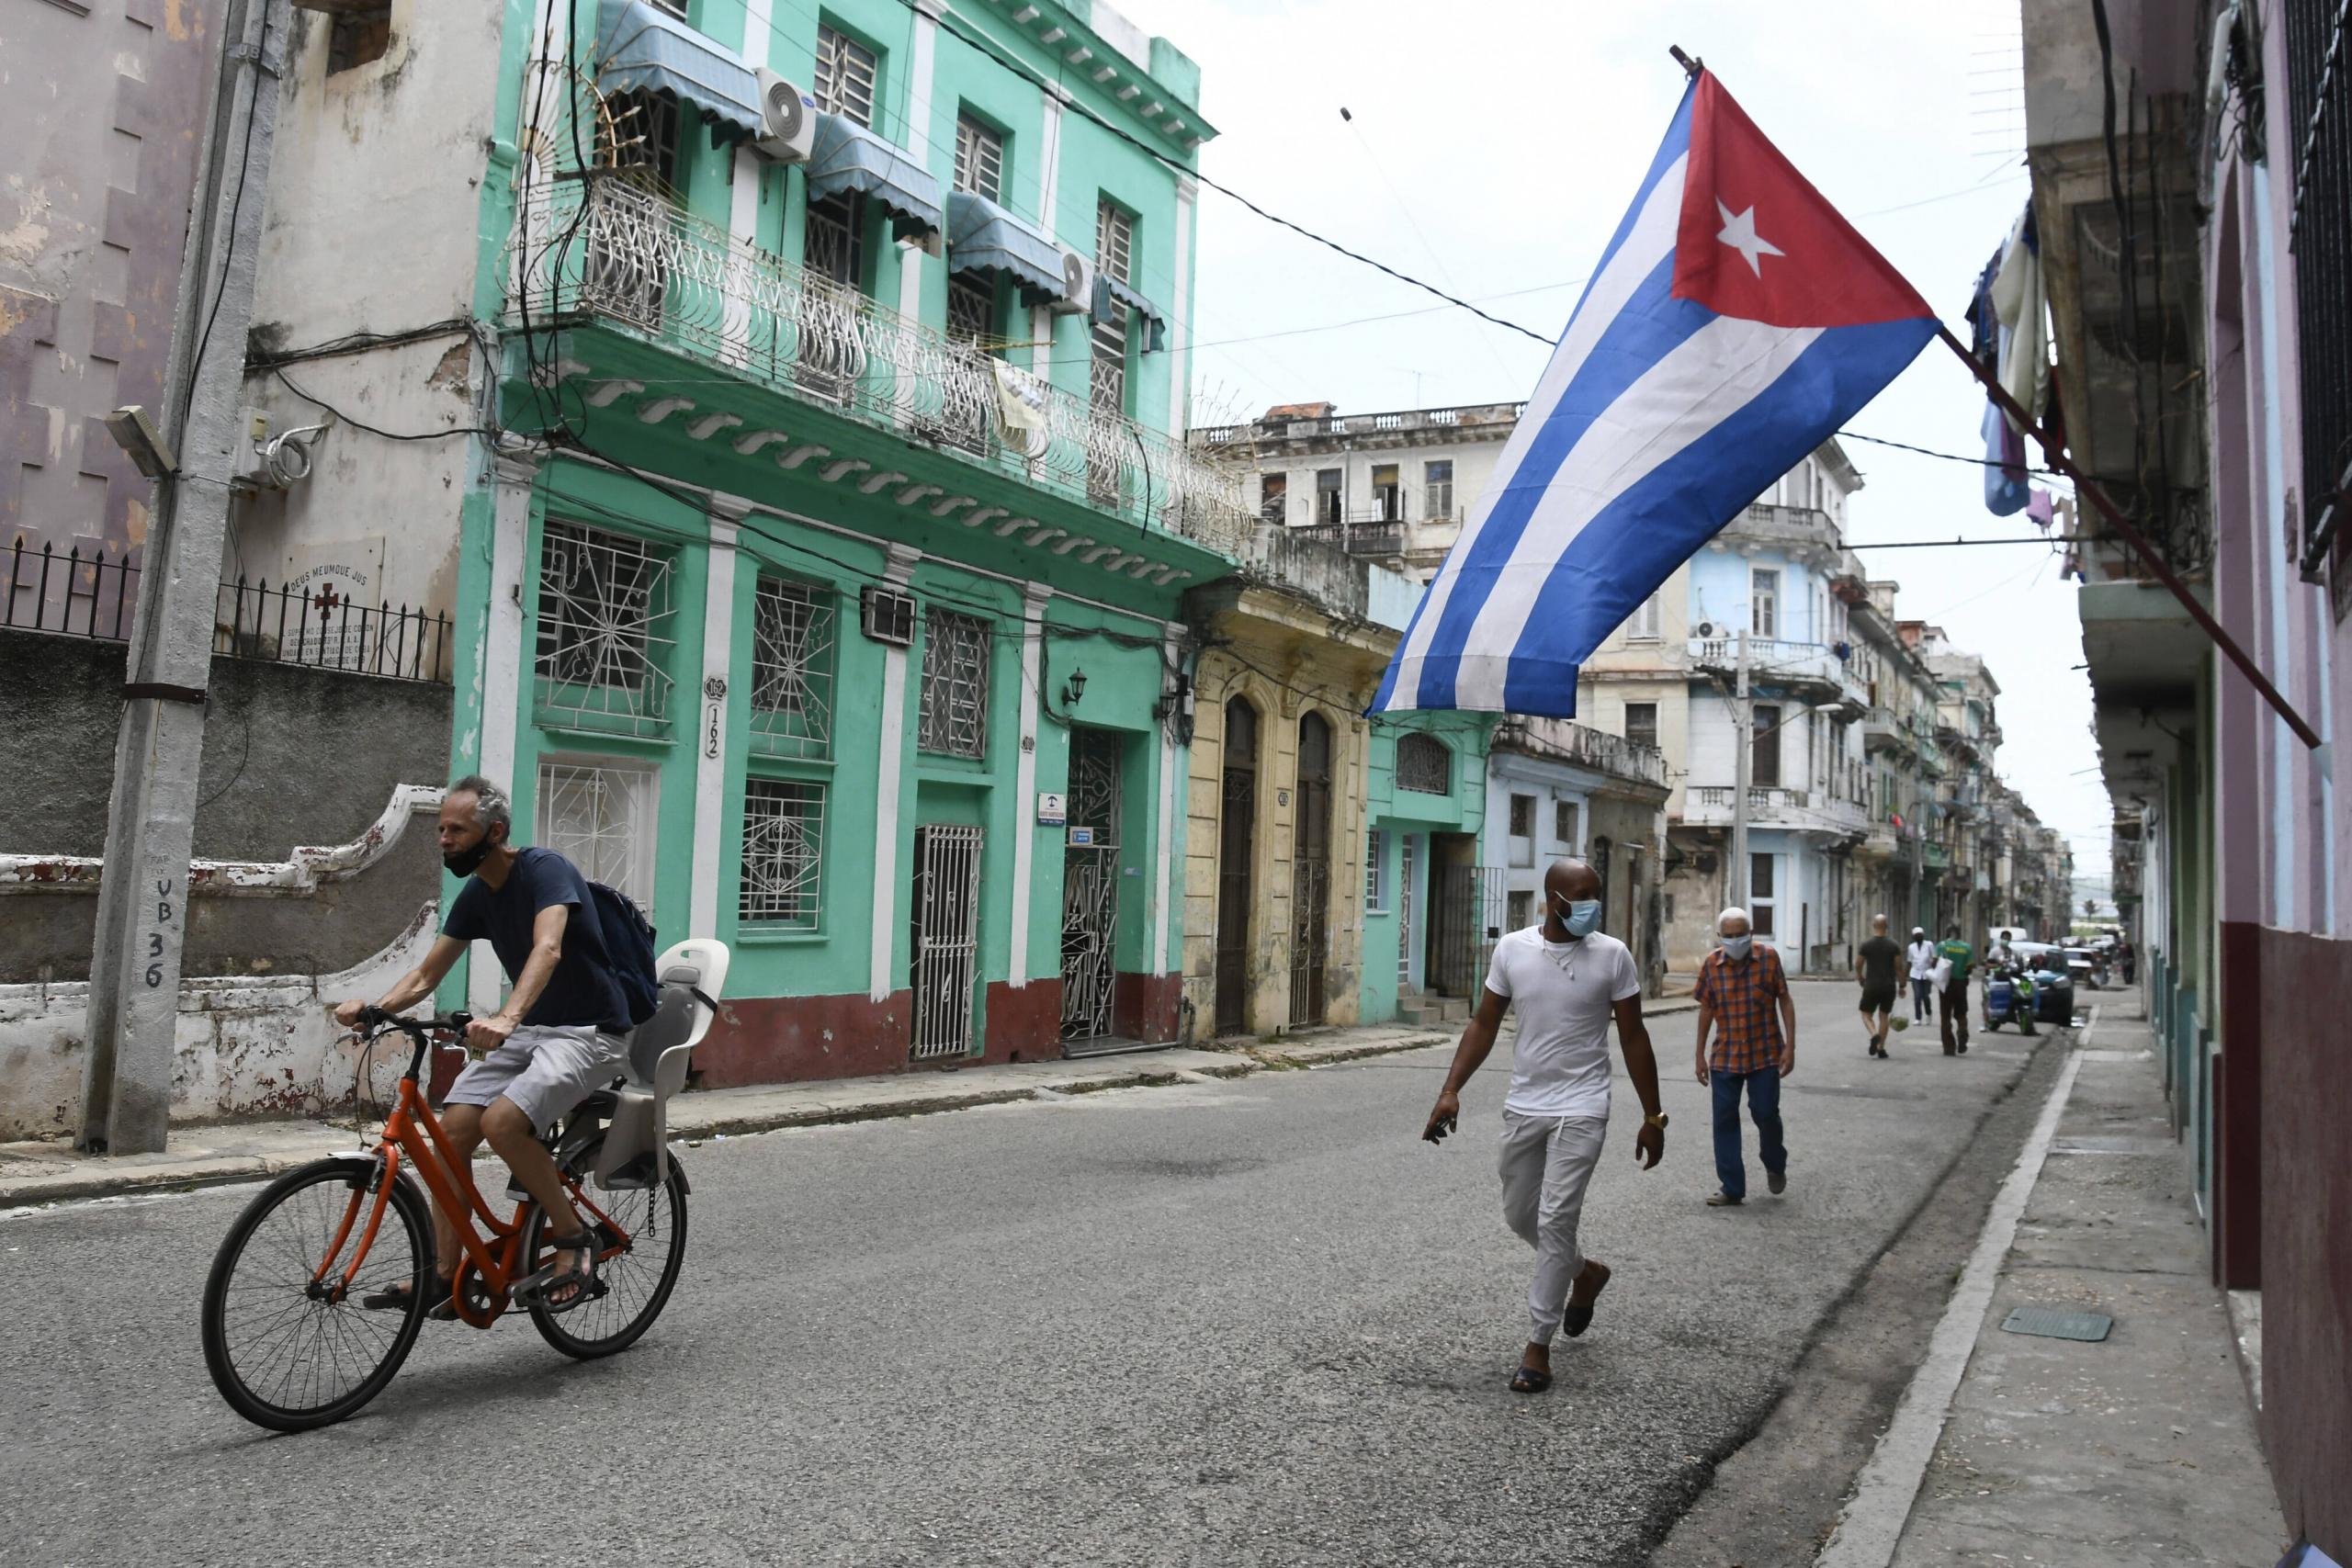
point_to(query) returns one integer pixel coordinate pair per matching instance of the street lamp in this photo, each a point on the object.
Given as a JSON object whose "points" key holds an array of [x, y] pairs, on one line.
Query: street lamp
{"points": [[1074, 688]]}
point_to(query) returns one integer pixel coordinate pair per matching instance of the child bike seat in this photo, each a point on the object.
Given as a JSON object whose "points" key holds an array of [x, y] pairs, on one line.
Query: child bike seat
{"points": [[636, 1150]]}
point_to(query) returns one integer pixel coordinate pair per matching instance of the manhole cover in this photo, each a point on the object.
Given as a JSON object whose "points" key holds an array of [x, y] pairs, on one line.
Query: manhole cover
{"points": [[2051, 1324]]}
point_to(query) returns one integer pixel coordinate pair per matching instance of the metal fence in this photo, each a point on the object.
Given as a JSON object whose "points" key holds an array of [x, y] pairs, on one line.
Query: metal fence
{"points": [[2319, 98], [321, 629], [73, 595]]}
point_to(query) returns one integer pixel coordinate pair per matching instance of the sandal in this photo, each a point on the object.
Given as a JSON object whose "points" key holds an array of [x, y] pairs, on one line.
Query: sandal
{"points": [[580, 1280], [1530, 1380], [1575, 1319]]}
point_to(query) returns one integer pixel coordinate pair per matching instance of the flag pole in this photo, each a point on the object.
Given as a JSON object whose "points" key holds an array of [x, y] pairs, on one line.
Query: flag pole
{"points": [[2088, 490]]}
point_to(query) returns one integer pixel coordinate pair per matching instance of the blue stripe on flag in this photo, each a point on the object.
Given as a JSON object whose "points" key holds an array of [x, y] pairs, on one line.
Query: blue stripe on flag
{"points": [[1651, 326], [1633, 543]]}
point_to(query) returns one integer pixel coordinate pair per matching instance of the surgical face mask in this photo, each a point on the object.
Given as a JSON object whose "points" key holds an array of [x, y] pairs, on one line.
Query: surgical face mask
{"points": [[1736, 947], [1581, 916], [462, 863]]}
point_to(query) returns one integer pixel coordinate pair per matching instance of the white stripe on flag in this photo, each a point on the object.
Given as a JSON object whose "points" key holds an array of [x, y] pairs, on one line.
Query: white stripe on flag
{"points": [[1648, 242], [1705, 379]]}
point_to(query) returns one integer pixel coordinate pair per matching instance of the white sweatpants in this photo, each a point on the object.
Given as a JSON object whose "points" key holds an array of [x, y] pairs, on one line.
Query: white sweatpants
{"points": [[1546, 1163]]}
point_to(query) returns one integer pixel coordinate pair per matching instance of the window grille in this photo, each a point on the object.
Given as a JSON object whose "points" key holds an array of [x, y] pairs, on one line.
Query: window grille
{"points": [[1423, 765], [601, 817], [784, 852], [954, 716], [644, 135], [792, 669], [971, 308], [1523, 911], [1523, 816], [886, 616], [1115, 244], [604, 631], [1107, 396], [832, 243], [846, 70], [2319, 69], [1375, 848], [1437, 491], [946, 938], [979, 159], [1564, 824]]}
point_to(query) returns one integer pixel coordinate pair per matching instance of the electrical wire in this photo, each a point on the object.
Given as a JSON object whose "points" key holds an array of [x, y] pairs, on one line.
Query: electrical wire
{"points": [[344, 418]]}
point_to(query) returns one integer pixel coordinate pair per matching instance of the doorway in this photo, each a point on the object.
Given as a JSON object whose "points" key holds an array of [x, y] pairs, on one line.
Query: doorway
{"points": [[1090, 887], [1310, 893], [1236, 839], [946, 938]]}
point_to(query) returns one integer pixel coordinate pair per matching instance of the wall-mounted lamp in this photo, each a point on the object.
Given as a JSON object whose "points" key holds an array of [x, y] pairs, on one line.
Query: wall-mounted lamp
{"points": [[1074, 688]]}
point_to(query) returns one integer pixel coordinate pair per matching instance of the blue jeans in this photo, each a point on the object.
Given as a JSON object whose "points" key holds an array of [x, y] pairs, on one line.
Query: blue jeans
{"points": [[1763, 1087]]}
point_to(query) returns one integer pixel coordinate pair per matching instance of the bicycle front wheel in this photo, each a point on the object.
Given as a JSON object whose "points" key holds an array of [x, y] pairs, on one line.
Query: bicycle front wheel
{"points": [[638, 1278], [286, 1349]]}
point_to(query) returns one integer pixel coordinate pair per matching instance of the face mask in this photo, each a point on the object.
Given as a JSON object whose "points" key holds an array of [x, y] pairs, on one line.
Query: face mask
{"points": [[1736, 947], [462, 863], [1581, 916]]}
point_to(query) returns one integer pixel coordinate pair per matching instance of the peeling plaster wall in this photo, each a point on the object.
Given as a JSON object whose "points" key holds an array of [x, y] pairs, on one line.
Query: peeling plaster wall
{"points": [[102, 114], [292, 756], [243, 1047]]}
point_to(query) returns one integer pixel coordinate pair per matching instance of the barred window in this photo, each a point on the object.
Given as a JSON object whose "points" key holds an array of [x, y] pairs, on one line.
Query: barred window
{"points": [[1423, 765], [601, 818], [1115, 244], [846, 71], [979, 159], [954, 715], [783, 852], [792, 668], [605, 631], [1375, 851]]}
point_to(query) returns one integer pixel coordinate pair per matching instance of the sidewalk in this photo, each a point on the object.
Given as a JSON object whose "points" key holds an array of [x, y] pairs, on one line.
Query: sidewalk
{"points": [[52, 1170], [2137, 1449]]}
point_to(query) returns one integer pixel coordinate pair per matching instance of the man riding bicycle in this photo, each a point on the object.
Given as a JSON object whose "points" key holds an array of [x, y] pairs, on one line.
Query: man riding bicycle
{"points": [[560, 1036]]}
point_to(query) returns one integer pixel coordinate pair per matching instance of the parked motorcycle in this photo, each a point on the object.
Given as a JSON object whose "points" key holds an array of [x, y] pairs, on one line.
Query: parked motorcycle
{"points": [[2008, 998]]}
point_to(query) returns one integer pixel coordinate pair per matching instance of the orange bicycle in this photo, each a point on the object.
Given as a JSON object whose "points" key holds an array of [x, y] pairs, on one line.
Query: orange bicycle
{"points": [[287, 1339]]}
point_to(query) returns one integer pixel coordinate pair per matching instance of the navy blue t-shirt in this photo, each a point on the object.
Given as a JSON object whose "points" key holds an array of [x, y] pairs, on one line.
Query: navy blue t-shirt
{"points": [[581, 992]]}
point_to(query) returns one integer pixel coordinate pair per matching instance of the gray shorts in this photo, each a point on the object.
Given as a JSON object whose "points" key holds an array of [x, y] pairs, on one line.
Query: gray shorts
{"points": [[544, 1069]]}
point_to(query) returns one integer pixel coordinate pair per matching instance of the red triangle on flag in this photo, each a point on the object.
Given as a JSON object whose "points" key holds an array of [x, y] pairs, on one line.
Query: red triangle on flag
{"points": [[1759, 244]]}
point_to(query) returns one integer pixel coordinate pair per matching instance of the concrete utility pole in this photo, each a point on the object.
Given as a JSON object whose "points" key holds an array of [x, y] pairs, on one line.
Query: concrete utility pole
{"points": [[1743, 726], [151, 817]]}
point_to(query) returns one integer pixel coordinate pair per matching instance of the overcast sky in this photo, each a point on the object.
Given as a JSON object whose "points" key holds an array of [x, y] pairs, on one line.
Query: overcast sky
{"points": [[1495, 145]]}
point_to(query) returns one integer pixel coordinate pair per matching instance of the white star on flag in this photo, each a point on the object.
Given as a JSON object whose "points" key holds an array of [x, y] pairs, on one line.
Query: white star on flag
{"points": [[1740, 234]]}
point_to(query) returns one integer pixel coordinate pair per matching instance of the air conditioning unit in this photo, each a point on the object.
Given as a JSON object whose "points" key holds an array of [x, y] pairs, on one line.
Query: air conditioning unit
{"points": [[788, 121], [888, 615], [1703, 629], [1077, 286]]}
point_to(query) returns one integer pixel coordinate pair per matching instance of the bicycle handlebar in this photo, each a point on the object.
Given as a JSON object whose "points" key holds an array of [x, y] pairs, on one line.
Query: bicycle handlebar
{"points": [[376, 1020]]}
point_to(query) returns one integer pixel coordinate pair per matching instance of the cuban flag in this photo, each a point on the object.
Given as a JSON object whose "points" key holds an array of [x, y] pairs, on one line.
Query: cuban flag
{"points": [[1735, 321]]}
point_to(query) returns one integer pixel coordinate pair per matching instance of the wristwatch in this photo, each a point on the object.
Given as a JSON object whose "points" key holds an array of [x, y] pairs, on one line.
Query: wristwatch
{"points": [[1658, 1120]]}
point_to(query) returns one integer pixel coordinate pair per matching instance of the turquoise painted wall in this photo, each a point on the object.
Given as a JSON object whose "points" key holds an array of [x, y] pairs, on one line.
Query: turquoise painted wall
{"points": [[1396, 813]]}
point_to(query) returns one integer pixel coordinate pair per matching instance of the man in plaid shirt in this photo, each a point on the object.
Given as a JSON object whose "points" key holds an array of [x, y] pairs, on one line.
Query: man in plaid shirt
{"points": [[1744, 996]]}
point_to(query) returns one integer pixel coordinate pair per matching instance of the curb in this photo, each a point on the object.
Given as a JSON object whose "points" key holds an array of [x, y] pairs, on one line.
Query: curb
{"points": [[220, 1170]]}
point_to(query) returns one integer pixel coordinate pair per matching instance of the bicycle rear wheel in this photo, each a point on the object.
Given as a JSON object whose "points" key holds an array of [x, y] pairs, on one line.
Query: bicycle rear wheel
{"points": [[282, 1350], [637, 1280]]}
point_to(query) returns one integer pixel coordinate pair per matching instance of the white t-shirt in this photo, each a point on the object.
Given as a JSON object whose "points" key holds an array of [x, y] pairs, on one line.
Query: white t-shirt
{"points": [[1923, 959], [1563, 993]]}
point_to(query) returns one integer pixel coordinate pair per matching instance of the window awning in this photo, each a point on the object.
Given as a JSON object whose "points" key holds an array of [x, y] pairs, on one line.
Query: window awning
{"points": [[849, 157], [1111, 297], [984, 237], [641, 48]]}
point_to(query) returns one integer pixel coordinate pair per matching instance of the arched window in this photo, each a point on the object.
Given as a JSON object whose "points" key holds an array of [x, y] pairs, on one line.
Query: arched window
{"points": [[1423, 763], [1241, 734]]}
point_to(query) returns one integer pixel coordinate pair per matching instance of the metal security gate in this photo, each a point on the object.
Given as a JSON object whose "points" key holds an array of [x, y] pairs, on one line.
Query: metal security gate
{"points": [[1310, 891], [1406, 875], [1091, 885], [1463, 926], [1236, 839], [946, 931]]}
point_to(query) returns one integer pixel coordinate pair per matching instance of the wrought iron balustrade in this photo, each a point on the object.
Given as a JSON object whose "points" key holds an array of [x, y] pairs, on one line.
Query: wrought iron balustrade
{"points": [[599, 246]]}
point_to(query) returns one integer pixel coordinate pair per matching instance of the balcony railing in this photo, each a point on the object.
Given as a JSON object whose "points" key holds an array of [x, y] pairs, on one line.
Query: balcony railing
{"points": [[1587, 746], [598, 246], [1491, 419], [1774, 661], [1769, 522], [1374, 539]]}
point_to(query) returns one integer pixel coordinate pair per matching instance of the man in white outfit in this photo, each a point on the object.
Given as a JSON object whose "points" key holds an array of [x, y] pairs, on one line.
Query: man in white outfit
{"points": [[1567, 978]]}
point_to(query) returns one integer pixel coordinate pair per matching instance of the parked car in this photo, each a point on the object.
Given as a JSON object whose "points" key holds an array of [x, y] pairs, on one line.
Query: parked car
{"points": [[2053, 983]]}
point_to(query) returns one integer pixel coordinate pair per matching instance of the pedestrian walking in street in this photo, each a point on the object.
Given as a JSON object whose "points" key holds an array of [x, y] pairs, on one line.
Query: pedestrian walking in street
{"points": [[1567, 978], [1953, 1000], [1875, 964], [1922, 954], [1744, 996]]}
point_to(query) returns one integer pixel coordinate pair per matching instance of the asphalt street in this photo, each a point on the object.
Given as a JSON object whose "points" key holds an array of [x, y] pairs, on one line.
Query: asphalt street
{"points": [[1255, 1322]]}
